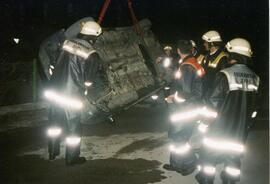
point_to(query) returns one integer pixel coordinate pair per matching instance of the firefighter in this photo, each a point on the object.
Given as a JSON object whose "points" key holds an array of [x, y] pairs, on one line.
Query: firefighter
{"points": [[196, 53], [234, 98], [166, 63], [186, 92], [76, 70], [215, 59]]}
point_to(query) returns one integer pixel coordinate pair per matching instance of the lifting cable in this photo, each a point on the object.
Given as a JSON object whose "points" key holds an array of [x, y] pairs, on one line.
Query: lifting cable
{"points": [[135, 21], [103, 11]]}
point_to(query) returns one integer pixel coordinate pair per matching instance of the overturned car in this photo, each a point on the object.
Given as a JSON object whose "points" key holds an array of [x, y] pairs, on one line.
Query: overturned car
{"points": [[130, 70]]}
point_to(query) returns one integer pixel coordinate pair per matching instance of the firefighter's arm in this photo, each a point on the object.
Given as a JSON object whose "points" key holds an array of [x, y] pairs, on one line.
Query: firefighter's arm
{"points": [[216, 96]]}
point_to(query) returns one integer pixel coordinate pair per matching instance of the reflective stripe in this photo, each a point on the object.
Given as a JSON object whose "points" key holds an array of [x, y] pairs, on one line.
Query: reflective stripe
{"points": [[210, 170], [252, 86], [200, 58], [167, 62], [223, 145], [216, 61], [180, 149], [240, 77], [212, 39], [73, 140], [207, 112], [194, 63], [178, 99], [236, 86], [178, 74], [193, 113], [54, 131], [50, 71], [200, 72], [184, 115], [87, 83], [77, 49], [254, 114], [154, 97], [233, 171], [238, 48], [63, 100], [203, 127]]}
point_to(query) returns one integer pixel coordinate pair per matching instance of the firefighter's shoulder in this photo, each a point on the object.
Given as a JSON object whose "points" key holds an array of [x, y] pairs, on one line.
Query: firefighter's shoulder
{"points": [[78, 48], [193, 62]]}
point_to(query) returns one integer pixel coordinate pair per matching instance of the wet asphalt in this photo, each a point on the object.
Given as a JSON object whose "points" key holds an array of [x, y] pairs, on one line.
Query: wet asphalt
{"points": [[128, 164]]}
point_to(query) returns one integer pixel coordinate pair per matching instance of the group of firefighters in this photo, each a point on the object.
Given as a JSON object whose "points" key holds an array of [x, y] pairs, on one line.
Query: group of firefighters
{"points": [[215, 93]]}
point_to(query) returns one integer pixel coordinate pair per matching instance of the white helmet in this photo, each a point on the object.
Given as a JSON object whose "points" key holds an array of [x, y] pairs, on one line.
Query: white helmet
{"points": [[91, 28], [193, 43], [167, 47], [212, 36], [240, 46]]}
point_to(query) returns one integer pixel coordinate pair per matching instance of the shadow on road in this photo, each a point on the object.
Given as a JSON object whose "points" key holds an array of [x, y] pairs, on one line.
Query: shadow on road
{"points": [[33, 169], [145, 144]]}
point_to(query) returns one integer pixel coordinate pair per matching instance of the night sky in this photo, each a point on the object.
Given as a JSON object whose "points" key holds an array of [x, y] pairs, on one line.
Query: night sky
{"points": [[34, 20]]}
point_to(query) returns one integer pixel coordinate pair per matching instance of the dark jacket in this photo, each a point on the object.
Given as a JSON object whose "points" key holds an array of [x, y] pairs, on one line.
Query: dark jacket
{"points": [[78, 62], [212, 65], [234, 98], [189, 86]]}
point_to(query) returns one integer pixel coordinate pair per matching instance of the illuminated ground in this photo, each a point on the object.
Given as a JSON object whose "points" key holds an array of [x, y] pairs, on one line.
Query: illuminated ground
{"points": [[131, 152]]}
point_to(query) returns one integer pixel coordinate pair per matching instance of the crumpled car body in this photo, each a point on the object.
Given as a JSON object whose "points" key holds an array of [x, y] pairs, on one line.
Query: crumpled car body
{"points": [[128, 60]]}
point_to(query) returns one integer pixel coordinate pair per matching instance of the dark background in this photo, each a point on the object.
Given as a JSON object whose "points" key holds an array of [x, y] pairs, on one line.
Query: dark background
{"points": [[34, 20]]}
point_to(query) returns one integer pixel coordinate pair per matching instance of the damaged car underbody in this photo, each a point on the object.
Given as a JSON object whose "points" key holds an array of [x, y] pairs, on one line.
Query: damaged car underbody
{"points": [[130, 69]]}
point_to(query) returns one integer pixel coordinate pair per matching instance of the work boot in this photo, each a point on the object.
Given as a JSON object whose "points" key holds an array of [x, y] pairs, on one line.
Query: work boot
{"points": [[168, 167], [227, 179], [53, 148], [186, 172], [75, 161], [204, 179]]}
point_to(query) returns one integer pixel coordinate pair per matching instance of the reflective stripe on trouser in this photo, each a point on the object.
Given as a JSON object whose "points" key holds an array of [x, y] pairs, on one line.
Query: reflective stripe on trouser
{"points": [[210, 159], [182, 157], [69, 122], [73, 144], [73, 139]]}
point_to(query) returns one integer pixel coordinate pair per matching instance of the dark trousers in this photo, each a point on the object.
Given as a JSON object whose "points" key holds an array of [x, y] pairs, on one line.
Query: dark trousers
{"points": [[69, 122]]}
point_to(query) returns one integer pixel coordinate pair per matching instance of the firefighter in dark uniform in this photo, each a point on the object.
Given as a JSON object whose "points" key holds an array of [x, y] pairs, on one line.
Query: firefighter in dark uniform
{"points": [[76, 70], [234, 98], [186, 92], [167, 63], [215, 59], [199, 57]]}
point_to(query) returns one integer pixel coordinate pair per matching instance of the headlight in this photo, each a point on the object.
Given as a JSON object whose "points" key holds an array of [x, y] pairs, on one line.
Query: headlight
{"points": [[63, 100]]}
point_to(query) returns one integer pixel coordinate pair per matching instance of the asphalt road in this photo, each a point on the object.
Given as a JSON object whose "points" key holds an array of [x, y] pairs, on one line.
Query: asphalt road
{"points": [[133, 152]]}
